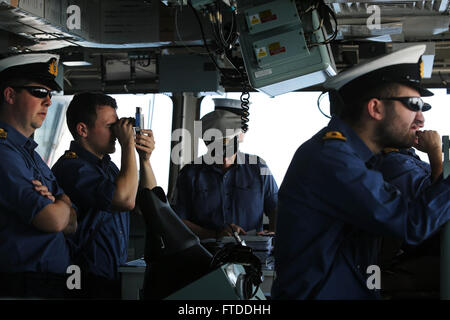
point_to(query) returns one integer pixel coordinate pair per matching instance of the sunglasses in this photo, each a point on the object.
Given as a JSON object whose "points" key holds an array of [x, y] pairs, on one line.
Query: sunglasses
{"points": [[35, 91], [412, 103]]}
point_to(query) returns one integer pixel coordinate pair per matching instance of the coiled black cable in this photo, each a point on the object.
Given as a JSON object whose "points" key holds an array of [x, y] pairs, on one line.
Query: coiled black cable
{"points": [[245, 101]]}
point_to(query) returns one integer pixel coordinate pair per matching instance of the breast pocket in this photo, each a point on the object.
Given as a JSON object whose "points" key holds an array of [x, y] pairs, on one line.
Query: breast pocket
{"points": [[249, 204], [208, 207], [45, 176]]}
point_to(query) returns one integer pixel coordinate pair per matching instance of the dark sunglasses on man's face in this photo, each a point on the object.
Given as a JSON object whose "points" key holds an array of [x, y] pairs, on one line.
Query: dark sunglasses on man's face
{"points": [[412, 103], [36, 91]]}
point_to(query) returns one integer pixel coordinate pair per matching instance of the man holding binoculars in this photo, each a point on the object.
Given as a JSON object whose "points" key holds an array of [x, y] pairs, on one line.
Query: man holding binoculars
{"points": [[103, 194]]}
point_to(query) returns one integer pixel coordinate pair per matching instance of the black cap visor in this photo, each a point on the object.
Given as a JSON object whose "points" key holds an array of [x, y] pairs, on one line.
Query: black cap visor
{"points": [[47, 81], [36, 72], [405, 74], [422, 91]]}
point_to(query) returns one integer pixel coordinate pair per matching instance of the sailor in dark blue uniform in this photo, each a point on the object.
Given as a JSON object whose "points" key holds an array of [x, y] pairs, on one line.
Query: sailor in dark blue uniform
{"points": [[407, 268], [103, 193], [218, 193], [404, 168], [333, 206], [34, 211]]}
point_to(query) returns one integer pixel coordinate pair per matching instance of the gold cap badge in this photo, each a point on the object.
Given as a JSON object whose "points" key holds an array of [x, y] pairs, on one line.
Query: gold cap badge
{"points": [[422, 66], [53, 67]]}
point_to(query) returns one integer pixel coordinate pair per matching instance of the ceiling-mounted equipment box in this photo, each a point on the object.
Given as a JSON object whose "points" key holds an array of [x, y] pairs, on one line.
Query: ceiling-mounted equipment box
{"points": [[188, 73], [271, 15], [282, 50]]}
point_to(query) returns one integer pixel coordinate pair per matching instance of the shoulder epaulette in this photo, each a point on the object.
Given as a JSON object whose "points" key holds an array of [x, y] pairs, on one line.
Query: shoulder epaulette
{"points": [[3, 133], [70, 155], [389, 150], [334, 135]]}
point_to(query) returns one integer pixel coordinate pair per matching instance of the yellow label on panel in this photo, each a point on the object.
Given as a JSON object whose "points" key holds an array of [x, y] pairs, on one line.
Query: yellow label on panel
{"points": [[254, 19], [261, 52], [267, 16], [276, 48]]}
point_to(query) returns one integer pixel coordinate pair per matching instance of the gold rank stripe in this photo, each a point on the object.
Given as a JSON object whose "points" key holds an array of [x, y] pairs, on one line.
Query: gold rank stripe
{"points": [[3, 133], [70, 155], [389, 150], [334, 135]]}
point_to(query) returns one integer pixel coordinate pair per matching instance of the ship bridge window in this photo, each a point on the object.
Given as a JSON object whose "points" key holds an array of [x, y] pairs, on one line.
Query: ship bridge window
{"points": [[278, 126]]}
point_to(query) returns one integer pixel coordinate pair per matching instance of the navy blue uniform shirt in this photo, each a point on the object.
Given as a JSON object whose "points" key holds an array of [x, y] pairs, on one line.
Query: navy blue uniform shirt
{"points": [[89, 182], [331, 210], [23, 247], [404, 169], [211, 198]]}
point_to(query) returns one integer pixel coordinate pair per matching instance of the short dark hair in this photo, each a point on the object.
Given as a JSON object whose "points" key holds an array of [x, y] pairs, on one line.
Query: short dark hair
{"points": [[353, 106], [83, 108], [11, 83]]}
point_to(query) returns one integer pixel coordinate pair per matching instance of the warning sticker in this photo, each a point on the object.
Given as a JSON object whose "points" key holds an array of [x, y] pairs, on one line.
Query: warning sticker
{"points": [[254, 19], [267, 16], [276, 48], [261, 52]]}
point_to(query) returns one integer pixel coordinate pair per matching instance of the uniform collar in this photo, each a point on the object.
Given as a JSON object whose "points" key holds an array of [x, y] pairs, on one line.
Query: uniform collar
{"points": [[17, 138], [240, 159], [353, 140], [411, 152], [87, 155]]}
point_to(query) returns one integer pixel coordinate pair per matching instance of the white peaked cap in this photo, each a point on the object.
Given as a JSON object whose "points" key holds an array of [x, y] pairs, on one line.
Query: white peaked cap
{"points": [[404, 66]]}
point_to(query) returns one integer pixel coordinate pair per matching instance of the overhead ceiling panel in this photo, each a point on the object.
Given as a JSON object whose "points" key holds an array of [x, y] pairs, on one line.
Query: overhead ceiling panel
{"points": [[389, 8]]}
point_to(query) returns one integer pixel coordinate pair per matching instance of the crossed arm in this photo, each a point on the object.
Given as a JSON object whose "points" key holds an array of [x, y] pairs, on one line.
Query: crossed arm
{"points": [[57, 216]]}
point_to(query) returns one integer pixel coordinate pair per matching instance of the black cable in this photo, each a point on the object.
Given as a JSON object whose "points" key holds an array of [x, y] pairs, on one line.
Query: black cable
{"points": [[207, 47], [245, 101], [220, 25], [318, 105], [232, 28], [204, 38], [233, 31], [324, 12], [214, 27], [444, 82], [331, 13], [245, 96], [239, 254], [177, 29]]}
